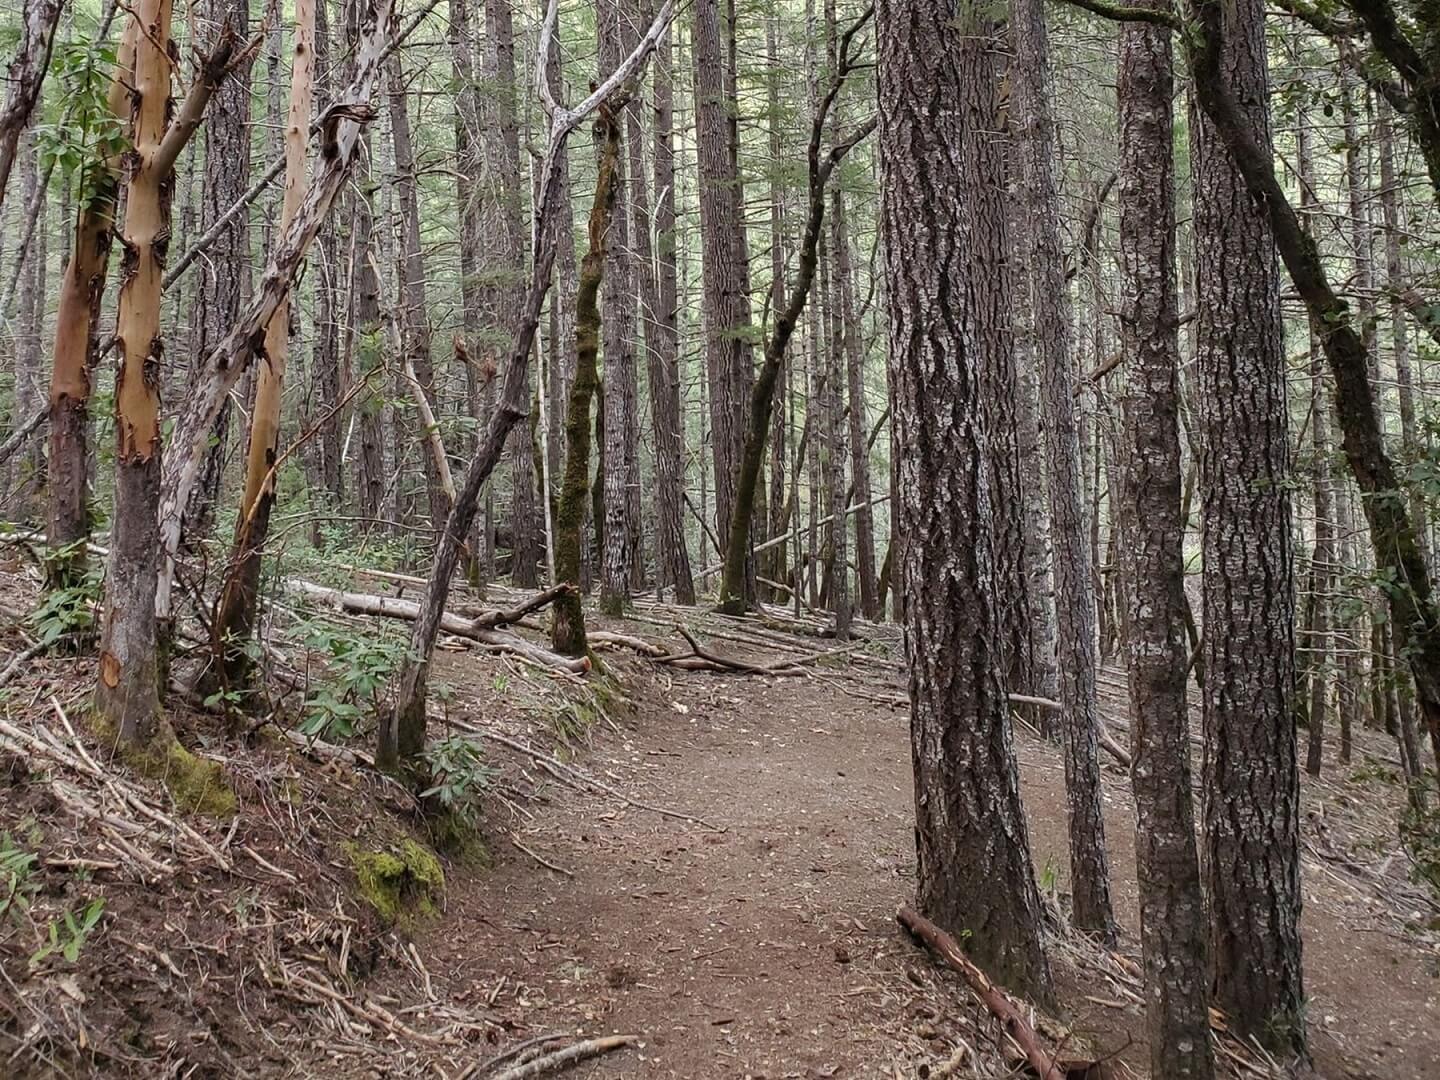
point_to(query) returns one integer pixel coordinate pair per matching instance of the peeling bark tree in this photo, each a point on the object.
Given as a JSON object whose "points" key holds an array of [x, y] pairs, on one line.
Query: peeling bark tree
{"points": [[1172, 910], [76, 316], [239, 597], [937, 147], [127, 694]]}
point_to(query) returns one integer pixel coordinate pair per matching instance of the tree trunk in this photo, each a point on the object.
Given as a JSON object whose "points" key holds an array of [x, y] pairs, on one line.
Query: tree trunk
{"points": [[726, 304], [1032, 92], [81, 292], [621, 474], [945, 244], [1172, 910], [127, 694], [30, 327], [326, 377], [239, 598], [1250, 776], [567, 632], [662, 353], [225, 275], [25, 78]]}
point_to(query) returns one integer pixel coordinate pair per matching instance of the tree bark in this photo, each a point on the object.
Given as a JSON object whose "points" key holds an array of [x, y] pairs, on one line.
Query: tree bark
{"points": [[944, 244], [1172, 909], [25, 78], [1032, 94], [672, 556], [127, 694], [239, 597], [1250, 777], [725, 302], [78, 311]]}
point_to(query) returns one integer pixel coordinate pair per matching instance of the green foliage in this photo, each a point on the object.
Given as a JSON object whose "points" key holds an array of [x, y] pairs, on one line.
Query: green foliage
{"points": [[16, 889], [67, 935], [68, 612], [80, 133], [358, 668], [459, 777]]}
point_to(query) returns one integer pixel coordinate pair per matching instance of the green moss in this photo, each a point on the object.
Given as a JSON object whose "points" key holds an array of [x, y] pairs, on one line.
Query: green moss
{"points": [[402, 882], [197, 784], [454, 835]]}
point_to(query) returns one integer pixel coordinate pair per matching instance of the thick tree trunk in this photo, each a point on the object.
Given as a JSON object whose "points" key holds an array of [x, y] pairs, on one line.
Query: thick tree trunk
{"points": [[1250, 777], [725, 301], [945, 243], [1032, 93], [1172, 909], [621, 475]]}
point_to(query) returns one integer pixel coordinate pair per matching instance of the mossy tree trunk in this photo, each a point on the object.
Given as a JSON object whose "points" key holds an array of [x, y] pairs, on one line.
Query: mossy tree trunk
{"points": [[567, 630]]}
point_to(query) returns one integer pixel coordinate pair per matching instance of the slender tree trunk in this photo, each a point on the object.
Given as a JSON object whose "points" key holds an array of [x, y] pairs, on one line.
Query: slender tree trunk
{"points": [[663, 353], [239, 598], [29, 379], [127, 695], [327, 379], [81, 292], [1250, 777], [567, 629], [25, 78], [1172, 909], [1033, 92], [944, 244]]}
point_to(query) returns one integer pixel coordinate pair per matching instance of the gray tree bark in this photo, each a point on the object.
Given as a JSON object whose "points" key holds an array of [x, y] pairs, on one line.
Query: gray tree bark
{"points": [[1172, 910], [945, 246]]}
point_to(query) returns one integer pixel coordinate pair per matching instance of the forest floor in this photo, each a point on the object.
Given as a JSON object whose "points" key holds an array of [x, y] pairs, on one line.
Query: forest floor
{"points": [[747, 931]]}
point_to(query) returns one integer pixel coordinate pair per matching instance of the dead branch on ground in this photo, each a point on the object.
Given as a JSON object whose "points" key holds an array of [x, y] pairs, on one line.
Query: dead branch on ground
{"points": [[1011, 1016]]}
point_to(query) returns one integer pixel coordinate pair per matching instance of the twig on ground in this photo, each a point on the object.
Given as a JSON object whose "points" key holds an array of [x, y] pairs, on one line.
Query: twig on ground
{"points": [[540, 858], [563, 1059], [1011, 1018]]}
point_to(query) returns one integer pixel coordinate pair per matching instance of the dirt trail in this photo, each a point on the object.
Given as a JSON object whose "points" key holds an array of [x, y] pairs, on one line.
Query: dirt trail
{"points": [[770, 950]]}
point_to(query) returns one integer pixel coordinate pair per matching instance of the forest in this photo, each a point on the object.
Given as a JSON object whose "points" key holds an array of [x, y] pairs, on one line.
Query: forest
{"points": [[720, 538]]}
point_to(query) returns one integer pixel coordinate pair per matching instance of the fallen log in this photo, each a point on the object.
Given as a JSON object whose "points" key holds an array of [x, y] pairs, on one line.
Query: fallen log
{"points": [[1012, 1018], [478, 630]]}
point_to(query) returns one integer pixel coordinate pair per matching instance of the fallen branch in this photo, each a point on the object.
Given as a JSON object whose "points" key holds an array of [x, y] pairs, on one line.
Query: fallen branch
{"points": [[510, 616], [1011, 1018], [1103, 736], [21, 659], [540, 858], [21, 435], [478, 630], [563, 1059]]}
